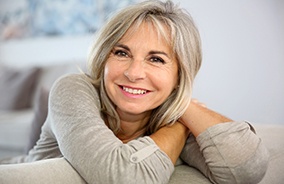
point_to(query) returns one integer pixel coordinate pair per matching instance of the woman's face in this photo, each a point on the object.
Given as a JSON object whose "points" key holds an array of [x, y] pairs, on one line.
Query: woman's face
{"points": [[141, 71]]}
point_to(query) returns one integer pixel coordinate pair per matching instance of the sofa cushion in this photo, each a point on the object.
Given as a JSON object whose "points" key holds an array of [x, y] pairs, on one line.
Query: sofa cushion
{"points": [[272, 136], [188, 175], [14, 131], [17, 87], [40, 114]]}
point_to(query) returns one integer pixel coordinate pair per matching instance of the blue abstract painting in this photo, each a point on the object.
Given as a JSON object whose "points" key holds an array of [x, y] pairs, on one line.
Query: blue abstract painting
{"points": [[31, 18]]}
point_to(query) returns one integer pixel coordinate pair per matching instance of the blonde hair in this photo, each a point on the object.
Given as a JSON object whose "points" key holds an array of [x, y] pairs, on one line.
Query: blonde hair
{"points": [[184, 40]]}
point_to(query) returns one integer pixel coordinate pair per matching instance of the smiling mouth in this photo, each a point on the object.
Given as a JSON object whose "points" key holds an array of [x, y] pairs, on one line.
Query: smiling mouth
{"points": [[134, 91]]}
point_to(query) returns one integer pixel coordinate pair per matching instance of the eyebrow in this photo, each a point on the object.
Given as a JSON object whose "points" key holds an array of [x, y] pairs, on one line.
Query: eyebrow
{"points": [[122, 46], [151, 52], [159, 52]]}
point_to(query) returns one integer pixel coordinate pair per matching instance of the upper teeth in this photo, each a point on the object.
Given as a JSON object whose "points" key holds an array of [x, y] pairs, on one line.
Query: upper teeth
{"points": [[134, 91]]}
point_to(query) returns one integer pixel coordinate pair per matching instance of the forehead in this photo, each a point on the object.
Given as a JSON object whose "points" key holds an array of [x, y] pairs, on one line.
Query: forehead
{"points": [[149, 29], [147, 33]]}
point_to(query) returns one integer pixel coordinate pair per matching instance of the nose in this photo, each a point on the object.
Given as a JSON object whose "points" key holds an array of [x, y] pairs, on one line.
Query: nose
{"points": [[135, 70]]}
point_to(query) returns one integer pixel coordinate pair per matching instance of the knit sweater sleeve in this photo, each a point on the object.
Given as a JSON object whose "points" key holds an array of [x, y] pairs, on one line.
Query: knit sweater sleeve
{"points": [[227, 153], [91, 147]]}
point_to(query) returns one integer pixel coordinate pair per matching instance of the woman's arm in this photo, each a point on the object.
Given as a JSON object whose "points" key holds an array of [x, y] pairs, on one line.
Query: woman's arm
{"points": [[198, 118], [223, 150], [92, 148], [171, 139]]}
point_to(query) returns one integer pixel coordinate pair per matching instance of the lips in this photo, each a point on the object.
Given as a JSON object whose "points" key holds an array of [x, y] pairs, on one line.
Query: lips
{"points": [[134, 91]]}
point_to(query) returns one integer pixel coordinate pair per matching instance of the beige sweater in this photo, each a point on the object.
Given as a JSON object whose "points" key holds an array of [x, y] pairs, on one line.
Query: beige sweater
{"points": [[225, 153]]}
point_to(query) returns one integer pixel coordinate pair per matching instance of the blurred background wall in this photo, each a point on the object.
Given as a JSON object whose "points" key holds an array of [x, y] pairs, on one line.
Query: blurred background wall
{"points": [[243, 47], [242, 75]]}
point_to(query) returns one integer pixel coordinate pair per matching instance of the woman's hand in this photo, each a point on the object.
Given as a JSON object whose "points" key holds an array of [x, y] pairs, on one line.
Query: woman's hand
{"points": [[198, 117], [171, 139]]}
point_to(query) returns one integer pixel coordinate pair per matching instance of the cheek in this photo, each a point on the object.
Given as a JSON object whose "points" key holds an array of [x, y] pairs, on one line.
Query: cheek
{"points": [[109, 70], [106, 73], [108, 80], [170, 80], [107, 76], [112, 66], [165, 83]]}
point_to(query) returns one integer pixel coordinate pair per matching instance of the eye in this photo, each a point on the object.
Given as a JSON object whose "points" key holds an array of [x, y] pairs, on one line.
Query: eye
{"points": [[120, 53], [156, 59]]}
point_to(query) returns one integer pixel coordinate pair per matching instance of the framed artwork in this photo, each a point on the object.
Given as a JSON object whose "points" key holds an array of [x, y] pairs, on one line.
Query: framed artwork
{"points": [[33, 18]]}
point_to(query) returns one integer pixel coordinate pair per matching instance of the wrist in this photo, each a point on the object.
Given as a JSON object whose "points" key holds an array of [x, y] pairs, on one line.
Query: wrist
{"points": [[171, 139], [180, 124], [198, 118]]}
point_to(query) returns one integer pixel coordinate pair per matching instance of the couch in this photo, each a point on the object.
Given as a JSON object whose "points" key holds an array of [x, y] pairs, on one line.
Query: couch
{"points": [[27, 66], [17, 118], [19, 123]]}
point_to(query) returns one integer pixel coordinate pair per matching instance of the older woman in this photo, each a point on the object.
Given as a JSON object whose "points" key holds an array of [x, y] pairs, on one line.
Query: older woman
{"points": [[132, 117]]}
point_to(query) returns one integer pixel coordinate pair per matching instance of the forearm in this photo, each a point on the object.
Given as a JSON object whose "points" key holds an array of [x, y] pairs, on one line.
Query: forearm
{"points": [[198, 118], [171, 139], [227, 153], [92, 148]]}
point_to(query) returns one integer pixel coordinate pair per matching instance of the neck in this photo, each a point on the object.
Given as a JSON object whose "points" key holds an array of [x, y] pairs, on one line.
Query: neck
{"points": [[132, 127]]}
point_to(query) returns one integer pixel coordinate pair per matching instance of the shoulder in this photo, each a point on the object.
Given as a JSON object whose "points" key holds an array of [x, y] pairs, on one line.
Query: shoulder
{"points": [[74, 85], [73, 81], [73, 78]]}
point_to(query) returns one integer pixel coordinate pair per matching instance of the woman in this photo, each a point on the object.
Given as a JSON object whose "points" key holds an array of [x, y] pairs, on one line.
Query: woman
{"points": [[132, 117]]}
